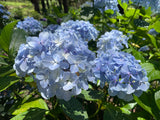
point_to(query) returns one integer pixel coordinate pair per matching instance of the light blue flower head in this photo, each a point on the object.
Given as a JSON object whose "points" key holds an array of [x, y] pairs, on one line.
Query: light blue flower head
{"points": [[112, 40], [103, 5], [61, 64], [123, 74], [30, 25], [85, 29]]}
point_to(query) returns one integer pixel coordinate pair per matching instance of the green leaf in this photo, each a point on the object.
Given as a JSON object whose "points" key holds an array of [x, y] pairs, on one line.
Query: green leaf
{"points": [[131, 12], [2, 62], [31, 114], [74, 109], [91, 95], [6, 71], [148, 11], [154, 75], [6, 35], [18, 37], [147, 102], [123, 5], [157, 98], [29, 79], [7, 81], [39, 103], [148, 67], [26, 98], [126, 109], [109, 12], [3, 56], [153, 40], [145, 107], [140, 118], [138, 56], [156, 26], [114, 113]]}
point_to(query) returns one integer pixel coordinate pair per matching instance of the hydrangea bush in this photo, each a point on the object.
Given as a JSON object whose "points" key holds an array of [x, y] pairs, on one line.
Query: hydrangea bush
{"points": [[93, 64]]}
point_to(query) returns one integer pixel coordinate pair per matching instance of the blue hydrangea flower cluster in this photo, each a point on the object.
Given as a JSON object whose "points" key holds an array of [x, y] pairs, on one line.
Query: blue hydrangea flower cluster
{"points": [[123, 74], [30, 25], [106, 4], [4, 14], [84, 29], [120, 70], [112, 40], [154, 4], [51, 28], [153, 32], [144, 48], [60, 63]]}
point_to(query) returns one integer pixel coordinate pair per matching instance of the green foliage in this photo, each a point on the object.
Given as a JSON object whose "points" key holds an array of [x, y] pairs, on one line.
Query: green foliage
{"points": [[153, 73], [36, 15], [126, 108], [39, 103], [114, 113], [31, 110], [94, 103], [18, 37], [147, 102], [156, 26], [74, 109], [6, 82], [18, 14], [2, 62], [5, 37], [91, 95], [31, 114], [157, 98]]}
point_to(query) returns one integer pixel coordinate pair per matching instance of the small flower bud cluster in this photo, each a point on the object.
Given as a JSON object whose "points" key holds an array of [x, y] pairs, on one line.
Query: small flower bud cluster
{"points": [[30, 25]]}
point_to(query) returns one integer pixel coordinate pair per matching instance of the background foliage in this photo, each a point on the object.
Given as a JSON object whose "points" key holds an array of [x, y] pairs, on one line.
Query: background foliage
{"points": [[19, 97]]}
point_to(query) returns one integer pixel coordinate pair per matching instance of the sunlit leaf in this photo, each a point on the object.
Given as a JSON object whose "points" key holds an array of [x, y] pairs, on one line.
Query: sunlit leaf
{"points": [[39, 103], [126, 108], [31, 114]]}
